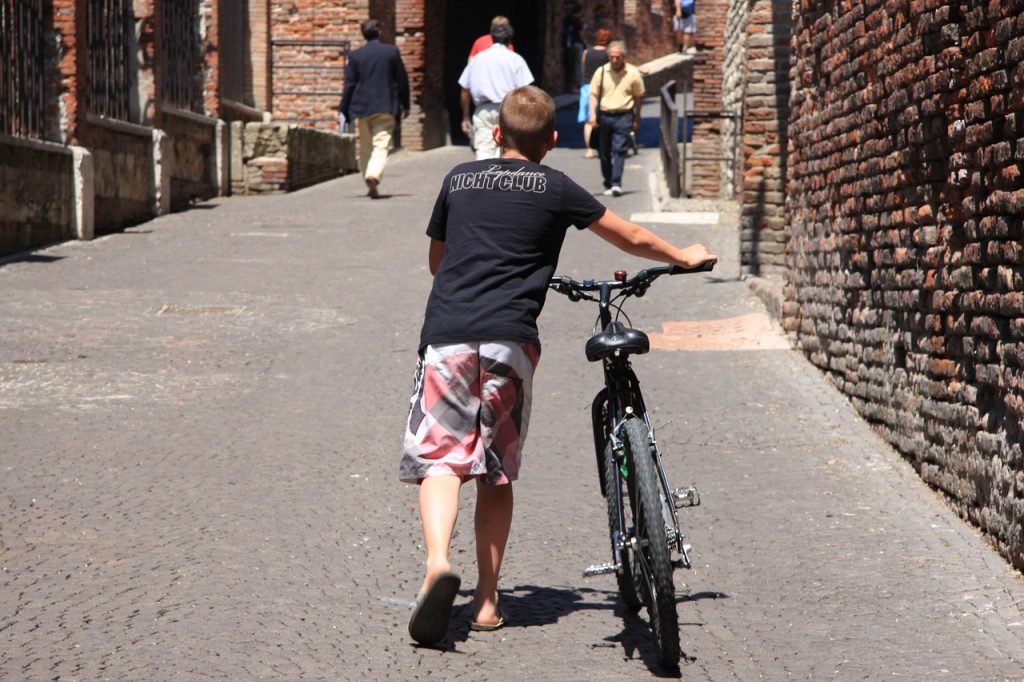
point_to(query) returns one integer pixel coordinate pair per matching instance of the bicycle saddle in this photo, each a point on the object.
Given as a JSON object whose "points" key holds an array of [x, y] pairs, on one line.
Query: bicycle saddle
{"points": [[617, 337]]}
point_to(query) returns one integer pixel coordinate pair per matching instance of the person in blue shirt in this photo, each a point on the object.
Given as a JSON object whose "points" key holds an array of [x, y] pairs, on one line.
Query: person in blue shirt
{"points": [[684, 25]]}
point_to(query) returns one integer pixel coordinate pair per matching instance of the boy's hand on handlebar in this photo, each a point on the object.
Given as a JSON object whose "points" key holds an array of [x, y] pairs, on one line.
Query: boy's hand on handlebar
{"points": [[696, 255]]}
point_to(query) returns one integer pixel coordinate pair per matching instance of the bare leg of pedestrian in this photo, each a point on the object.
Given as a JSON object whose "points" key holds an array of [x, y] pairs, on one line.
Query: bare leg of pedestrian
{"points": [[588, 130], [439, 509], [492, 523]]}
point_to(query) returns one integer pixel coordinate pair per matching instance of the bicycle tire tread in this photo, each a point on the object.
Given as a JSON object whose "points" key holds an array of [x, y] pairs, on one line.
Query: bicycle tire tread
{"points": [[661, 604]]}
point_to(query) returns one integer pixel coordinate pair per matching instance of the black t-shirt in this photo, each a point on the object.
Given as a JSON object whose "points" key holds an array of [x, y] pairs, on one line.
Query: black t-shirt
{"points": [[503, 222], [592, 61]]}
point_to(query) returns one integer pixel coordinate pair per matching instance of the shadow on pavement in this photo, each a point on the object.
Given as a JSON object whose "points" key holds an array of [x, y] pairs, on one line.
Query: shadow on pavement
{"points": [[533, 606], [27, 257]]}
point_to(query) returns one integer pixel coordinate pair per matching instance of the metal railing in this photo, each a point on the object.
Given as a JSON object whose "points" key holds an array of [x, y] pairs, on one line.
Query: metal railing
{"points": [[110, 31], [676, 160], [22, 69], [669, 124], [179, 62]]}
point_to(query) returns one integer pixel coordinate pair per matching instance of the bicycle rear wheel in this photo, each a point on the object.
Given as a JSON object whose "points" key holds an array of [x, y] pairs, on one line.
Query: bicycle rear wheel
{"points": [[651, 556], [630, 583]]}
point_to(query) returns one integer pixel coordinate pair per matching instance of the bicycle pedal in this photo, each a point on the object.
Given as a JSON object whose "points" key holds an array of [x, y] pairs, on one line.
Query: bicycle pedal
{"points": [[685, 497], [598, 569]]}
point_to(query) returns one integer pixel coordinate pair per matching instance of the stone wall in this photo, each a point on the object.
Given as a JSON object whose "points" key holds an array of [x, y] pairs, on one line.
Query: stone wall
{"points": [[124, 172], [756, 93], [270, 158], [905, 257], [194, 152], [35, 195], [734, 83]]}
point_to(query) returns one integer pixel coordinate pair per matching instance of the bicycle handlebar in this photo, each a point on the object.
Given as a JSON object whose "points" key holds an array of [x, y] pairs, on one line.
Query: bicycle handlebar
{"points": [[633, 286]]}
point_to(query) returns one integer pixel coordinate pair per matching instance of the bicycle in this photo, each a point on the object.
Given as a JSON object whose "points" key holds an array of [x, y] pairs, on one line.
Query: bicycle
{"points": [[642, 520]]}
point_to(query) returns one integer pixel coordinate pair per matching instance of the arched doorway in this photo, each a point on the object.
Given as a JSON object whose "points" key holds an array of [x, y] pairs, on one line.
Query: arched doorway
{"points": [[465, 21]]}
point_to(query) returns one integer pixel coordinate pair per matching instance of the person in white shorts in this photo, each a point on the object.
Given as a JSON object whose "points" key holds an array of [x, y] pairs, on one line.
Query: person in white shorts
{"points": [[485, 81]]}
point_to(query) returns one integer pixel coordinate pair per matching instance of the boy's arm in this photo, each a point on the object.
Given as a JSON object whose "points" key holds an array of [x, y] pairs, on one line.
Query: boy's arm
{"points": [[639, 241], [435, 256]]}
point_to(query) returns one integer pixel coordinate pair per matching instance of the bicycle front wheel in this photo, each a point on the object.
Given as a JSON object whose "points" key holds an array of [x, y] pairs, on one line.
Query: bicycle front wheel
{"points": [[652, 552]]}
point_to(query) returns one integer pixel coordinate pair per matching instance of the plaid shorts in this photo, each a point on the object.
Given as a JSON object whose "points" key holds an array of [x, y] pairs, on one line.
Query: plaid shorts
{"points": [[469, 411]]}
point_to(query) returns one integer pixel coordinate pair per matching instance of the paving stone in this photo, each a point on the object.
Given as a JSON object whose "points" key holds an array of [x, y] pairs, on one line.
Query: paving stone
{"points": [[201, 423]]}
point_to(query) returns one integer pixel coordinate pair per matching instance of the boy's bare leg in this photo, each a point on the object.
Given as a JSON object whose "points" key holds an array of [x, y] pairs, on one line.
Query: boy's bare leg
{"points": [[492, 523], [439, 508]]}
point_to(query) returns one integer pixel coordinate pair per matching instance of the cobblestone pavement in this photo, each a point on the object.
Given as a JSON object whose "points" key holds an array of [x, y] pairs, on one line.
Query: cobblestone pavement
{"points": [[200, 421]]}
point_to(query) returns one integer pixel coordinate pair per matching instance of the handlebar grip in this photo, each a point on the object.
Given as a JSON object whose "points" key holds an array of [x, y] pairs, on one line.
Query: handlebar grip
{"points": [[706, 266]]}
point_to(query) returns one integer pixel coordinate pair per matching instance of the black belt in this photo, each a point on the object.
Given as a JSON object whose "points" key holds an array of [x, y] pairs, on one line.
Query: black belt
{"points": [[616, 113]]}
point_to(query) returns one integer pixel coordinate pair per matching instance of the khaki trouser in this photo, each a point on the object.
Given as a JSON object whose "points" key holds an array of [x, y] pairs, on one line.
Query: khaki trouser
{"points": [[375, 133], [485, 117]]}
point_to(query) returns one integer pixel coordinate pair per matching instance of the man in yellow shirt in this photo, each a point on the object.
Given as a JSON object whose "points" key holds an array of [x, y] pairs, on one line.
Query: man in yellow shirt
{"points": [[616, 95]]}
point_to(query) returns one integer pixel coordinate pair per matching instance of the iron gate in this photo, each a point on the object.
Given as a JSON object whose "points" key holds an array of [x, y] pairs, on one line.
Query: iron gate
{"points": [[179, 63], [110, 30], [22, 68]]}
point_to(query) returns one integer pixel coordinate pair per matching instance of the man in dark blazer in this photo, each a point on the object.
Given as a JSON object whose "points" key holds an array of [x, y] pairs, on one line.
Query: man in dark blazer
{"points": [[376, 90]]}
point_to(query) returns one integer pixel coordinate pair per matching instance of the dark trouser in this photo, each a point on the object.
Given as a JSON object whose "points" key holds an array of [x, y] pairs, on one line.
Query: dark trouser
{"points": [[612, 145]]}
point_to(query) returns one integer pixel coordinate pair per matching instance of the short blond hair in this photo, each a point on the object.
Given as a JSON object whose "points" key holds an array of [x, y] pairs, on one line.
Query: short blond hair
{"points": [[527, 120]]}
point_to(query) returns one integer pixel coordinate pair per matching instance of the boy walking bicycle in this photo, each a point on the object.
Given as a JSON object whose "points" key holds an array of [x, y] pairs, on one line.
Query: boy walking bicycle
{"points": [[496, 233]]}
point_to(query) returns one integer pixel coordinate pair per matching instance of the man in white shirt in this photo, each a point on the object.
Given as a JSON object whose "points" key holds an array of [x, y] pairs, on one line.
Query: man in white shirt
{"points": [[485, 81]]}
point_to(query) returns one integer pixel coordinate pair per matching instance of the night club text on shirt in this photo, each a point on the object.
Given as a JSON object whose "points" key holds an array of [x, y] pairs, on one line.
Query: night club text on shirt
{"points": [[503, 180]]}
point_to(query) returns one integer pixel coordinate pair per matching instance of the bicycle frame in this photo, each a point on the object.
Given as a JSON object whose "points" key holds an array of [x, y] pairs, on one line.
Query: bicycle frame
{"points": [[622, 399], [629, 460]]}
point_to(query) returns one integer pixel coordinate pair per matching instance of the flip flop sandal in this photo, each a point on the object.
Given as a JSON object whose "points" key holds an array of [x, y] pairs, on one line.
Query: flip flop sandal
{"points": [[429, 621], [489, 627]]}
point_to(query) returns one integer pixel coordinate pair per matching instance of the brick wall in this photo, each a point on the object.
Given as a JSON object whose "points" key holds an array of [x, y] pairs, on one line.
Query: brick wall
{"points": [[757, 89], [649, 30], [307, 59], [273, 158], [708, 69], [259, 55], [905, 258], [426, 126], [68, 34], [209, 28]]}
